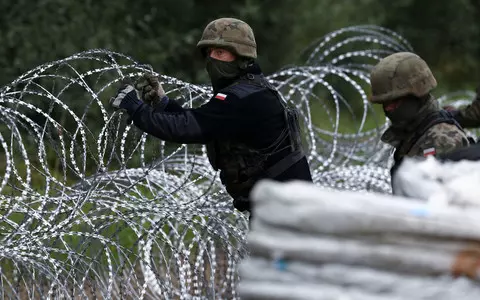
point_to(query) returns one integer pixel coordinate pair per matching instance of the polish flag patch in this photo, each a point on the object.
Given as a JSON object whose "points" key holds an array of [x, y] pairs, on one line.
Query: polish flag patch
{"points": [[220, 96], [429, 151]]}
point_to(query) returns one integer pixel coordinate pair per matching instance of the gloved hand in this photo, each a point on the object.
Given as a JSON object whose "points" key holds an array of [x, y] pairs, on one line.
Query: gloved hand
{"points": [[126, 93], [151, 89]]}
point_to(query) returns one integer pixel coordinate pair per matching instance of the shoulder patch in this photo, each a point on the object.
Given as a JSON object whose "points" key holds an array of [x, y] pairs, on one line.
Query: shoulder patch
{"points": [[429, 151], [220, 96]]}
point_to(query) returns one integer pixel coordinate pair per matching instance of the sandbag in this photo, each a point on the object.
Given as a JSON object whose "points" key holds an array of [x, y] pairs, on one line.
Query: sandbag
{"points": [[306, 207], [319, 249], [307, 242], [369, 280]]}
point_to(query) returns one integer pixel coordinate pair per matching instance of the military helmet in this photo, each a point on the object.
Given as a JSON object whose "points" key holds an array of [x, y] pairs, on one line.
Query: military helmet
{"points": [[399, 75], [232, 34]]}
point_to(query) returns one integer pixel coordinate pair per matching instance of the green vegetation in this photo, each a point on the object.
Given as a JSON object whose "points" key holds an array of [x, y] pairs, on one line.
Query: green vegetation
{"points": [[164, 33]]}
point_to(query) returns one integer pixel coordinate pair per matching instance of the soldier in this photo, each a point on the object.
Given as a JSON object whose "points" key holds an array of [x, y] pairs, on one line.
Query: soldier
{"points": [[250, 134], [402, 83]]}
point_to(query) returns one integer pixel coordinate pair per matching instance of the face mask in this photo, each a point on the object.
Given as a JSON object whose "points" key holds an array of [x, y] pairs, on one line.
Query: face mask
{"points": [[405, 112], [218, 69]]}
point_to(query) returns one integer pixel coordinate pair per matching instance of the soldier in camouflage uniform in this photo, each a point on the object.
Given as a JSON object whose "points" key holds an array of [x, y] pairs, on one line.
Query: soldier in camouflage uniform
{"points": [[250, 134], [402, 83]]}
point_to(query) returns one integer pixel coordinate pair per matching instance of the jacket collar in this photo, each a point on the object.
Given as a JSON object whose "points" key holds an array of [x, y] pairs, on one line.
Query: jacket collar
{"points": [[253, 68]]}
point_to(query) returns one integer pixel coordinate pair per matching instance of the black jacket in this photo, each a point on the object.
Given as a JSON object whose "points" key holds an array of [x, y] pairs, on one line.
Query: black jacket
{"points": [[255, 119]]}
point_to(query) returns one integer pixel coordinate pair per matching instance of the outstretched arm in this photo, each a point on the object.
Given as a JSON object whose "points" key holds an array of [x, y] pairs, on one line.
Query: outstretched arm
{"points": [[219, 118]]}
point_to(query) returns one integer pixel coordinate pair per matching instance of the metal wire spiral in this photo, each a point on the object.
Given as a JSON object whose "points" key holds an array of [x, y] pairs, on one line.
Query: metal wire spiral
{"points": [[94, 208]]}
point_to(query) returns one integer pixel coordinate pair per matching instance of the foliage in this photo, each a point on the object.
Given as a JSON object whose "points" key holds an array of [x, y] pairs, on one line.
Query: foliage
{"points": [[164, 33]]}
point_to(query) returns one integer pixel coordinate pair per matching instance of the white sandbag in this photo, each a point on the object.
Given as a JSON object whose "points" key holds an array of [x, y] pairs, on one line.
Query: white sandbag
{"points": [[308, 208], [449, 183], [426, 243], [256, 290], [365, 279], [346, 245], [321, 249]]}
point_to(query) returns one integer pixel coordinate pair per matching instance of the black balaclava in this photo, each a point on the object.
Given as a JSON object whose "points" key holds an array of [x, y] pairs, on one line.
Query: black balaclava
{"points": [[407, 116], [223, 72], [406, 112]]}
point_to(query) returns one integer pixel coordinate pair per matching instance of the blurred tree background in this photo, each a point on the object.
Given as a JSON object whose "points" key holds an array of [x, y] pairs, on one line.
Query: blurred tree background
{"points": [[164, 33]]}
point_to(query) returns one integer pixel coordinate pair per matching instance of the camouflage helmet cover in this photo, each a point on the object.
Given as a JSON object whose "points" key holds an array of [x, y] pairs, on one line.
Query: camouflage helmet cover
{"points": [[232, 34], [399, 75]]}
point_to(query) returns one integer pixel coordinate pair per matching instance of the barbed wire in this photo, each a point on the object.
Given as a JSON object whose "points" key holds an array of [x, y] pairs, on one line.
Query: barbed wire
{"points": [[94, 208]]}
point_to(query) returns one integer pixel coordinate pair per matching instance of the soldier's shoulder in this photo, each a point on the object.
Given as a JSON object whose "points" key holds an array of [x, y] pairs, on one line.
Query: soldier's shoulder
{"points": [[440, 138], [444, 129], [242, 90]]}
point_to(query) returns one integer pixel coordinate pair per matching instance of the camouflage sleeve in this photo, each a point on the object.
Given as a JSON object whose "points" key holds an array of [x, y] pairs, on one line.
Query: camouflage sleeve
{"points": [[439, 139], [469, 116]]}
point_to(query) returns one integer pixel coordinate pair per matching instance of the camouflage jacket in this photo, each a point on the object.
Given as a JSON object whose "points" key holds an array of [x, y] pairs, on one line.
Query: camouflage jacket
{"points": [[424, 139], [438, 139], [432, 132]]}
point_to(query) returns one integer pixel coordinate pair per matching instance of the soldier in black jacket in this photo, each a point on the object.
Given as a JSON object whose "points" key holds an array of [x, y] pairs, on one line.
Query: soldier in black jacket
{"points": [[250, 134]]}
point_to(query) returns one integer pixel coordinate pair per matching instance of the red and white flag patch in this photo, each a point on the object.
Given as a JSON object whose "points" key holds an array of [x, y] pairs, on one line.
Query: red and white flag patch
{"points": [[429, 151], [220, 96]]}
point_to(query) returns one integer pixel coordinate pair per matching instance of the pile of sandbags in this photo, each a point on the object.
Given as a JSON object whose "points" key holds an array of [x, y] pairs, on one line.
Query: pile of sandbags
{"points": [[447, 183], [310, 243]]}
